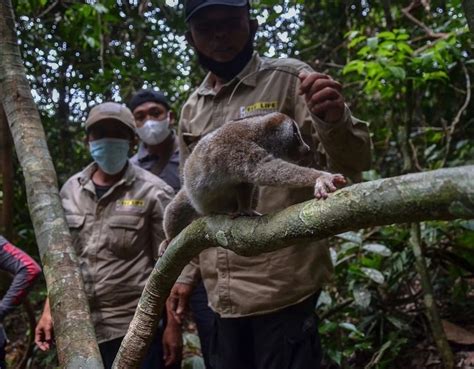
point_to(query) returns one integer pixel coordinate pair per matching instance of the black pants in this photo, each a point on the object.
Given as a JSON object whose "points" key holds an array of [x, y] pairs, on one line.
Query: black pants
{"points": [[3, 343], [153, 359], [204, 318], [286, 339]]}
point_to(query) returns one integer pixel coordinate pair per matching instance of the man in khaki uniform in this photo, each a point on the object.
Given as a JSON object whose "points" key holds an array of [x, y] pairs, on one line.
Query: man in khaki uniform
{"points": [[114, 210], [264, 305]]}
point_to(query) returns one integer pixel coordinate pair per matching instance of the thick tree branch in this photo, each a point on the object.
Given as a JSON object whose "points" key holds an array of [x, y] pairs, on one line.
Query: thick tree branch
{"points": [[75, 337], [443, 194]]}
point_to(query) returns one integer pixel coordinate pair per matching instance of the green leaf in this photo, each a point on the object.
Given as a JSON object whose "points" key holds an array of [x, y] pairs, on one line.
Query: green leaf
{"points": [[356, 41], [362, 297], [91, 41], [438, 75], [377, 248], [351, 328], [350, 236], [324, 299], [402, 46], [354, 66], [372, 42], [100, 8], [374, 275], [402, 36], [387, 35], [397, 72]]}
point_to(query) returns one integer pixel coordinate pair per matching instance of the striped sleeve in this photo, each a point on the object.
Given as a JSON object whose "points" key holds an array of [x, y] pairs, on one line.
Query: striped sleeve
{"points": [[24, 270]]}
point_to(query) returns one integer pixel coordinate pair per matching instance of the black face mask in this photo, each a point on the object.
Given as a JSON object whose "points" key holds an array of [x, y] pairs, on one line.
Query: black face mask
{"points": [[230, 69]]}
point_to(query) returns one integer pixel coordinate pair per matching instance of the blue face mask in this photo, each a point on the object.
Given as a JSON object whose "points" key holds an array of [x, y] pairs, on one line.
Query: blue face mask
{"points": [[110, 154]]}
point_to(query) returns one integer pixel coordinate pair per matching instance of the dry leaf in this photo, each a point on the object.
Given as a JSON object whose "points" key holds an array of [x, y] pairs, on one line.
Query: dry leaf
{"points": [[457, 334]]}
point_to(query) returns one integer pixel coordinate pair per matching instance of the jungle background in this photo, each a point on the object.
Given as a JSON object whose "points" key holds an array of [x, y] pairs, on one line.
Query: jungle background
{"points": [[406, 67]]}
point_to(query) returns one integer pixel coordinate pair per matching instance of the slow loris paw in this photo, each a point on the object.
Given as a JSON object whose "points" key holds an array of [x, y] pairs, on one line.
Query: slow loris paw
{"points": [[328, 183], [245, 213]]}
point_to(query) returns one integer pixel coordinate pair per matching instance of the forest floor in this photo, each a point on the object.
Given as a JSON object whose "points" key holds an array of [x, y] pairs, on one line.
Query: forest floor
{"points": [[417, 355]]}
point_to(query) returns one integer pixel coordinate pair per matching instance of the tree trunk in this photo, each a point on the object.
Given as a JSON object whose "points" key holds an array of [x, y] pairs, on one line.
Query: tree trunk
{"points": [[74, 332], [468, 6], [429, 300], [444, 194], [6, 161]]}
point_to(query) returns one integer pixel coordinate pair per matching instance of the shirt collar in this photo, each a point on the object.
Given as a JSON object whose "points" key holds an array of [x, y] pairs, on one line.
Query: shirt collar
{"points": [[247, 76], [143, 154], [85, 178]]}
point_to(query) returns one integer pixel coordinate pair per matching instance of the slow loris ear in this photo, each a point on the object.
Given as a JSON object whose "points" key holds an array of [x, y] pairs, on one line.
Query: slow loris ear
{"points": [[274, 122]]}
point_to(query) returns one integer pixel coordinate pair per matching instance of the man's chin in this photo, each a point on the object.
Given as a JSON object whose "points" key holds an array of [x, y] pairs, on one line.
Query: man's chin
{"points": [[223, 57]]}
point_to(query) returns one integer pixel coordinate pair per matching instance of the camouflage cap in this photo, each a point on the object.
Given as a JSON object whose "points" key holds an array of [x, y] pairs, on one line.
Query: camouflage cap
{"points": [[111, 110]]}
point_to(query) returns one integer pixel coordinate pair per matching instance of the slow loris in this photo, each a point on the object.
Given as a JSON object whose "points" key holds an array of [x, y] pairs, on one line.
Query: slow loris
{"points": [[227, 165]]}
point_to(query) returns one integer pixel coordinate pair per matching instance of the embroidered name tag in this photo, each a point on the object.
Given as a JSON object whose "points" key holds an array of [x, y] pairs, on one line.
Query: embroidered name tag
{"points": [[261, 107], [130, 204]]}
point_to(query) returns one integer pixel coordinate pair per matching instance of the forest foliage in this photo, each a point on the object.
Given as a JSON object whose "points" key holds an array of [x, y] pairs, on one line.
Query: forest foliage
{"points": [[406, 67]]}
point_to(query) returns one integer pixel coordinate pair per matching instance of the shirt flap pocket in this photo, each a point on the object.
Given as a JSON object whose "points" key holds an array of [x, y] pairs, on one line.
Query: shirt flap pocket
{"points": [[75, 220], [191, 139], [126, 221]]}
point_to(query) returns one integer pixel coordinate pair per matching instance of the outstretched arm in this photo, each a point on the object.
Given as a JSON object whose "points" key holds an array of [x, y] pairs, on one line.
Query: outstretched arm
{"points": [[344, 139], [266, 170]]}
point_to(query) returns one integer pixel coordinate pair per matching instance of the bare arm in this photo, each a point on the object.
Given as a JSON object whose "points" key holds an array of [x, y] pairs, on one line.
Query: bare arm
{"points": [[44, 329]]}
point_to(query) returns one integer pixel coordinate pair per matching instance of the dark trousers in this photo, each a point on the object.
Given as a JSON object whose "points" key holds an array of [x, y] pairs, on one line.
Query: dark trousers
{"points": [[153, 359], [3, 343], [286, 339], [204, 318]]}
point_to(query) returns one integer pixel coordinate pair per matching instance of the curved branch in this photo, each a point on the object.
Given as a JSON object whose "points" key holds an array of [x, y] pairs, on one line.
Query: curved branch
{"points": [[442, 194]]}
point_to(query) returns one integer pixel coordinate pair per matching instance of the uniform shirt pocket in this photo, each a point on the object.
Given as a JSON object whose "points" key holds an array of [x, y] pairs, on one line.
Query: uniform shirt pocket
{"points": [[125, 232], [75, 223]]}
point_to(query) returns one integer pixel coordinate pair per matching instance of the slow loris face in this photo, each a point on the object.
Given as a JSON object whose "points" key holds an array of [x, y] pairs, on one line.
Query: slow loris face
{"points": [[297, 148]]}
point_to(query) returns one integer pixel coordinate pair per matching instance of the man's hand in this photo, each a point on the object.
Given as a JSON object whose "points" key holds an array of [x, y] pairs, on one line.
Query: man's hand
{"points": [[177, 302], [44, 329], [172, 343], [323, 96]]}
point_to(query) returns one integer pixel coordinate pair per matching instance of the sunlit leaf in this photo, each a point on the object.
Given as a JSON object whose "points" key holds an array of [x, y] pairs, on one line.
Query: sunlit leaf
{"points": [[362, 296], [377, 248], [374, 275], [350, 236]]}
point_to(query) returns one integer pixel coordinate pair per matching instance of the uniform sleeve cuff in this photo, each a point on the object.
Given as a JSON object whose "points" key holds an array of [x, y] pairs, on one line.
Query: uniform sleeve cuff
{"points": [[324, 126]]}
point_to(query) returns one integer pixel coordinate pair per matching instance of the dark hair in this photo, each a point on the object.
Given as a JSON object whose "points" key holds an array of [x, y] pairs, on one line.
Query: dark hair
{"points": [[144, 96]]}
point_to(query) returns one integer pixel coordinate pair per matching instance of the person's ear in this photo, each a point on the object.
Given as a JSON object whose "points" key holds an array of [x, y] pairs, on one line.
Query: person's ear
{"points": [[172, 117], [86, 139], [189, 38], [133, 143], [253, 26]]}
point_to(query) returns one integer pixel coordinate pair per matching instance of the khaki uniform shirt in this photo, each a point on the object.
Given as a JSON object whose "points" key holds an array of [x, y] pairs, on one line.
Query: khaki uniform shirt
{"points": [[116, 239], [242, 286]]}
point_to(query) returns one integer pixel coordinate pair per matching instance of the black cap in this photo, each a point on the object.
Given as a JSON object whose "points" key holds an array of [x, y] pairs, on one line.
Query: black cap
{"points": [[144, 96], [192, 6]]}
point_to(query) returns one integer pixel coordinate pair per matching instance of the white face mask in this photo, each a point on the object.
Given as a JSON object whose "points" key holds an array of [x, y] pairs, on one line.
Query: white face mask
{"points": [[154, 132]]}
